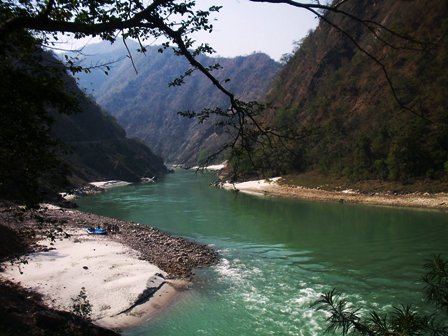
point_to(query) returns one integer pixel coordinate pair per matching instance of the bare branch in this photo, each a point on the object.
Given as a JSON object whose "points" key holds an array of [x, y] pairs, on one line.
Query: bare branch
{"points": [[130, 55]]}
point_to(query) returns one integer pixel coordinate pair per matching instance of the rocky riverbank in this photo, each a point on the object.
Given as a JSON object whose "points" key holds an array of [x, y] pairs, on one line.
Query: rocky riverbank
{"points": [[274, 187], [413, 200], [58, 228]]}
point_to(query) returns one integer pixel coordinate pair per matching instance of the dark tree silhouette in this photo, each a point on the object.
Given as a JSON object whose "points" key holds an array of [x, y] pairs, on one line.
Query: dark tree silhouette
{"points": [[29, 88]]}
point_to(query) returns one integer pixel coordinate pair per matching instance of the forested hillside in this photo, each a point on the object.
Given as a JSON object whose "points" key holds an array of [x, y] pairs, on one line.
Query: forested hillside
{"points": [[147, 107], [52, 133], [97, 147], [335, 93]]}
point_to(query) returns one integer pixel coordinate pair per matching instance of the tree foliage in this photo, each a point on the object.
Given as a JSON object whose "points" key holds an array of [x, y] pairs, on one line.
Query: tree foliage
{"points": [[401, 320], [29, 87]]}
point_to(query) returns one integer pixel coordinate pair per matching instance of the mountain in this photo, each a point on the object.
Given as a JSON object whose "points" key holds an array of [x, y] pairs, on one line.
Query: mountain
{"points": [[340, 102], [41, 103], [100, 59], [147, 107], [97, 148]]}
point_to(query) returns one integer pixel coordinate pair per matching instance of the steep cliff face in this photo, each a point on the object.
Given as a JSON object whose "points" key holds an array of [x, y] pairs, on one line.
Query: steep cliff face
{"points": [[335, 92], [147, 107], [97, 147]]}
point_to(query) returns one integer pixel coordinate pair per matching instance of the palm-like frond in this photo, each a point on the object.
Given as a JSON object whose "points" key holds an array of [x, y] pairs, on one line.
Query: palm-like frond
{"points": [[341, 317], [402, 320], [436, 282]]}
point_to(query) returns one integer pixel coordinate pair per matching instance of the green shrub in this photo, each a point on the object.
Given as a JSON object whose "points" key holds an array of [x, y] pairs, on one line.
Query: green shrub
{"points": [[81, 306]]}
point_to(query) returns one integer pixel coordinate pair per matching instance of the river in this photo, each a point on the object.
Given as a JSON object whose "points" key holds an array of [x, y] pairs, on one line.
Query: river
{"points": [[278, 255]]}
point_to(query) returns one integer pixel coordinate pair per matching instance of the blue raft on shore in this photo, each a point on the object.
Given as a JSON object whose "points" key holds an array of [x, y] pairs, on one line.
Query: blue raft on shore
{"points": [[97, 231]]}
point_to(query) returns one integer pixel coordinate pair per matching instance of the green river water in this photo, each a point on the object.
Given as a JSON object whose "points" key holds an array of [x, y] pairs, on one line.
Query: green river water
{"points": [[278, 255]]}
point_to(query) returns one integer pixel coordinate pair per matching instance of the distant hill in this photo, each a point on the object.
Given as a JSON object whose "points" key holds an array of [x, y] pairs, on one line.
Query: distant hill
{"points": [[95, 57], [97, 147], [147, 107], [341, 103]]}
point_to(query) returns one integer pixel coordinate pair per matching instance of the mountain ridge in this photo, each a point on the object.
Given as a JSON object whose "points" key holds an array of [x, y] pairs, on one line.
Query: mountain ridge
{"points": [[147, 107]]}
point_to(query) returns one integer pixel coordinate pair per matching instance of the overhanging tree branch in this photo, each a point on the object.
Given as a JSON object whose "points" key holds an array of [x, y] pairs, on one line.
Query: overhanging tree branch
{"points": [[175, 20]]}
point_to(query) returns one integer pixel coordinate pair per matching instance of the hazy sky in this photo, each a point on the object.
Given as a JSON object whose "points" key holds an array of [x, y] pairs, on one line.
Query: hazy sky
{"points": [[244, 27]]}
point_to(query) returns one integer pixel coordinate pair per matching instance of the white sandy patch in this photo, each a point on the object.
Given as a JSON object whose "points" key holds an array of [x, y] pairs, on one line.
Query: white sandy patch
{"points": [[109, 184], [112, 274], [67, 196], [49, 206], [349, 191], [252, 187], [211, 167], [216, 167]]}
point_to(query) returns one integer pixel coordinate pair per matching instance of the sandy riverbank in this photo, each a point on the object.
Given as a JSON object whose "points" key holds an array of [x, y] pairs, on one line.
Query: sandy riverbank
{"points": [[128, 276], [104, 268], [271, 187]]}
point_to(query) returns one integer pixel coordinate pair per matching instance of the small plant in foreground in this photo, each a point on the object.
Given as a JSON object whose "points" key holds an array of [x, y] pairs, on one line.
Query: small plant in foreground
{"points": [[81, 306], [401, 321]]}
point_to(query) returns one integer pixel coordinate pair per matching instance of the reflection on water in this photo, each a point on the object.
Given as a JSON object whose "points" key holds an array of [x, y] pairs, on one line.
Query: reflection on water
{"points": [[278, 255]]}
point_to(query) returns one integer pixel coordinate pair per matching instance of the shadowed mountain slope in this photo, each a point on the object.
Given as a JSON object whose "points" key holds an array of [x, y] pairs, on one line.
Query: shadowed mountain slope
{"points": [[96, 145]]}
